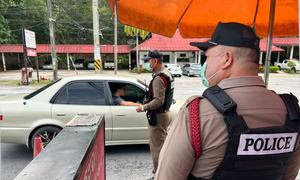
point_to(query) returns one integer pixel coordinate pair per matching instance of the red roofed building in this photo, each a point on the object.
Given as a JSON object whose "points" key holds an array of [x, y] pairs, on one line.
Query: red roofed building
{"points": [[175, 49], [14, 52], [179, 50]]}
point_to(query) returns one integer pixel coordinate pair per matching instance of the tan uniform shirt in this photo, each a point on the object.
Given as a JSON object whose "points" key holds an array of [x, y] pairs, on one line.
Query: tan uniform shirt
{"points": [[259, 107], [159, 90]]}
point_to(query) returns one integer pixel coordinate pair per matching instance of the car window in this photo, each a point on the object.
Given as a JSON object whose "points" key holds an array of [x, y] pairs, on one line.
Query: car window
{"points": [[82, 93], [132, 92], [40, 90]]}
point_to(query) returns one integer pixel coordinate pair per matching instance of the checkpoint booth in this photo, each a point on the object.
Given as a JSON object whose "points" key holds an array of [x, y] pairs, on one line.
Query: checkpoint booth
{"points": [[77, 152]]}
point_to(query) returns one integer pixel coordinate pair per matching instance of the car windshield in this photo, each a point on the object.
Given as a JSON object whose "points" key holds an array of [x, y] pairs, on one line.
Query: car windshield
{"points": [[40, 90], [196, 66]]}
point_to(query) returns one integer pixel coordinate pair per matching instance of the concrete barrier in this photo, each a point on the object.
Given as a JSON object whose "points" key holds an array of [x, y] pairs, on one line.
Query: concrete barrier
{"points": [[77, 152]]}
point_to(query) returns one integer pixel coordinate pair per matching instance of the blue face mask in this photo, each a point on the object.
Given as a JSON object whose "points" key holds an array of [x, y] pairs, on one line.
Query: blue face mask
{"points": [[203, 77]]}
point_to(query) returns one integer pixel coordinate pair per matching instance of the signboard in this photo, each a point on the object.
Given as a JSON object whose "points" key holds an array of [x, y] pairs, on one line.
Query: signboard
{"points": [[31, 52], [30, 39]]}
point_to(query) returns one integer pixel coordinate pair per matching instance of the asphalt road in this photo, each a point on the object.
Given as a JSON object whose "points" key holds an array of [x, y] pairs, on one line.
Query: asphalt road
{"points": [[123, 162]]}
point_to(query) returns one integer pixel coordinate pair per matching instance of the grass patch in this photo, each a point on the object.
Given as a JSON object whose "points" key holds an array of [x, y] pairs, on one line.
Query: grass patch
{"points": [[17, 83]]}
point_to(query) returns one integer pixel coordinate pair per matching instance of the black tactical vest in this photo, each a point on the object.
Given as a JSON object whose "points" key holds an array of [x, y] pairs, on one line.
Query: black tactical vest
{"points": [[258, 153], [168, 94]]}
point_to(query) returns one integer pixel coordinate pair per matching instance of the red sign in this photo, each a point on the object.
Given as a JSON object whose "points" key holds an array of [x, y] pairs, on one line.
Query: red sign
{"points": [[94, 164], [31, 52]]}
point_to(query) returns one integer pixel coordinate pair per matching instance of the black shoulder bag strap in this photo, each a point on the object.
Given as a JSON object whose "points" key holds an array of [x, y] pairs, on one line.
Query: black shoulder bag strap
{"points": [[226, 106], [293, 111]]}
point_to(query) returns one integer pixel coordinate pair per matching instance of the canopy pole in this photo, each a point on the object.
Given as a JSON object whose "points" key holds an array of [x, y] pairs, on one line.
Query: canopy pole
{"points": [[299, 28], [269, 40], [137, 53], [115, 38]]}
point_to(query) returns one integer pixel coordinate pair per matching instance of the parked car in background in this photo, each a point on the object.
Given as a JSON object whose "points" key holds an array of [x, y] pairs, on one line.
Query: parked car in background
{"points": [[79, 63], [191, 69], [109, 65], [47, 65], [45, 111], [90, 64], [174, 69], [289, 64]]}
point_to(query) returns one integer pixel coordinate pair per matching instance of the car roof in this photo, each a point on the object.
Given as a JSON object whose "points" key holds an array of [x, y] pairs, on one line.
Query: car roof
{"points": [[100, 77]]}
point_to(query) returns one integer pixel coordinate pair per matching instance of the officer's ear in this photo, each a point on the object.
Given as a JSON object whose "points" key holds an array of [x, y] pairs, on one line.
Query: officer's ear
{"points": [[227, 60]]}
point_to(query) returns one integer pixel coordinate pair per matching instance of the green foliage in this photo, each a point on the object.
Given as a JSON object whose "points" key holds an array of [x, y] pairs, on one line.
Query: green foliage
{"points": [[142, 70], [289, 71], [273, 69], [123, 62], [291, 64], [73, 21]]}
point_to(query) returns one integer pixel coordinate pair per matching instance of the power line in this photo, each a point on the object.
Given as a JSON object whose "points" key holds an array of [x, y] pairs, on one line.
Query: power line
{"points": [[25, 27]]}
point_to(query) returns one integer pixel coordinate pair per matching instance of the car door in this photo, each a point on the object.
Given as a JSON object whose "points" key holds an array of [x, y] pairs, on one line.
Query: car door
{"points": [[128, 125], [82, 98]]}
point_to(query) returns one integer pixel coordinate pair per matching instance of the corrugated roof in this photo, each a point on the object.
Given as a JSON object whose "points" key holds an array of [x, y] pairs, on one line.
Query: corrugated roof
{"points": [[177, 43]]}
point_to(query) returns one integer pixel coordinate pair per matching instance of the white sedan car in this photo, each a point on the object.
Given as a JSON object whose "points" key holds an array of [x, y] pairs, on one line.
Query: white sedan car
{"points": [[46, 111]]}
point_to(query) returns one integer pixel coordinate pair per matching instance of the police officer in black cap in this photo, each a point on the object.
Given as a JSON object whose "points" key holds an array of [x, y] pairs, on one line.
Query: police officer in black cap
{"points": [[158, 102], [238, 129]]}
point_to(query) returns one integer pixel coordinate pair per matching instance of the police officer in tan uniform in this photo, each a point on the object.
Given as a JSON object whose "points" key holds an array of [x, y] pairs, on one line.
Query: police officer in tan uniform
{"points": [[238, 129], [159, 99]]}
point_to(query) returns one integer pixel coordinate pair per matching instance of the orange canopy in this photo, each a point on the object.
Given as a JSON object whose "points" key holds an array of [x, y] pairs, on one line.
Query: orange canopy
{"points": [[198, 18]]}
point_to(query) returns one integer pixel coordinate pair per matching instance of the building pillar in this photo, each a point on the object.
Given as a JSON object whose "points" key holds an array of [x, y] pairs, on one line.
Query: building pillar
{"points": [[3, 60], [196, 56], [199, 57], [68, 61], [129, 61], [292, 52], [278, 56], [175, 58], [260, 58]]}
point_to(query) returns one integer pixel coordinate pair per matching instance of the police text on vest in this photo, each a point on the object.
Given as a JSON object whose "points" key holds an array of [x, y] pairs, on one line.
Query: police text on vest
{"points": [[261, 144]]}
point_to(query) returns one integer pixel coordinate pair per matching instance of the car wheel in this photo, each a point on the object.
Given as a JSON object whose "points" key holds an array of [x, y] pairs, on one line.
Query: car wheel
{"points": [[179, 75], [279, 68], [47, 133]]}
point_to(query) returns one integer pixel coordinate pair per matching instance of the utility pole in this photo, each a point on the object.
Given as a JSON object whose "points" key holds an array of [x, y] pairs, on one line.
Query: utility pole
{"points": [[25, 56], [97, 56], [52, 40], [116, 38]]}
